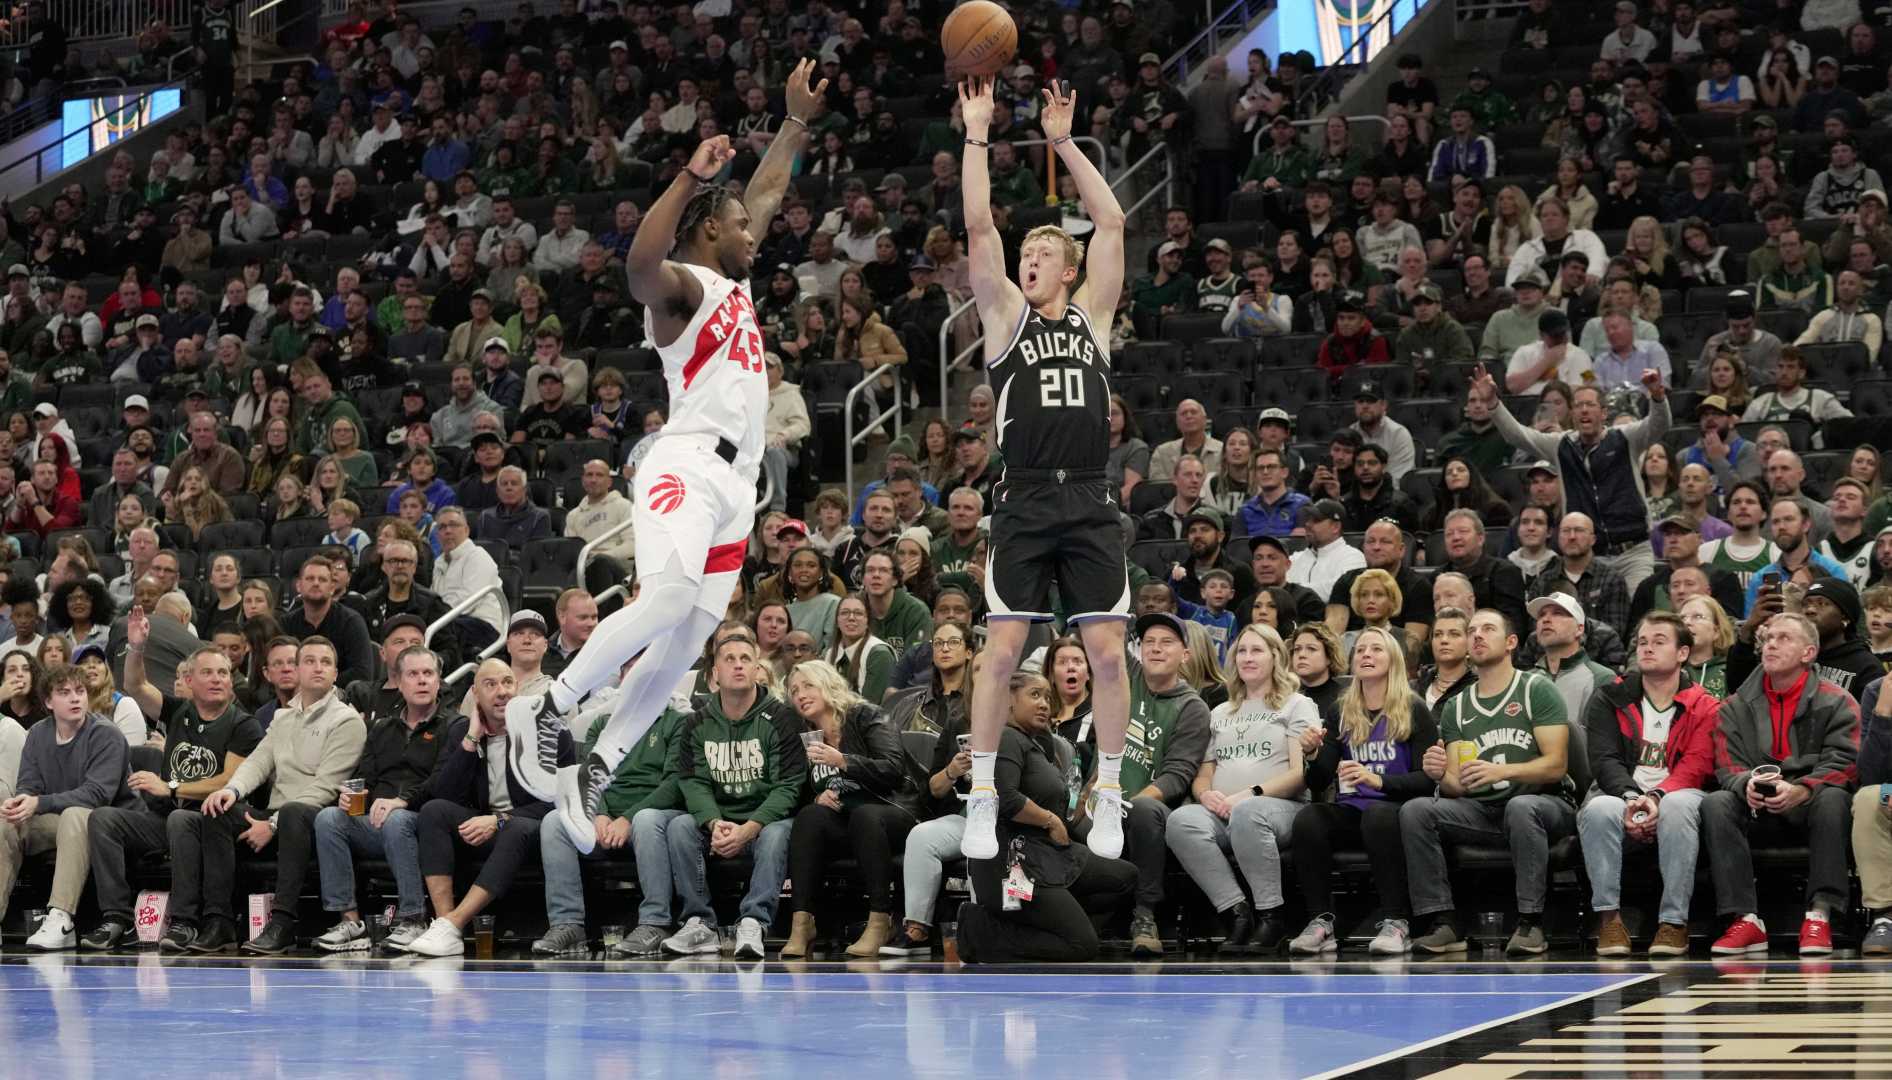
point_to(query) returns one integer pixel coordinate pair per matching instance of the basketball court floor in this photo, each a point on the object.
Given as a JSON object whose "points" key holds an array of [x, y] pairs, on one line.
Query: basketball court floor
{"points": [[708, 1019]]}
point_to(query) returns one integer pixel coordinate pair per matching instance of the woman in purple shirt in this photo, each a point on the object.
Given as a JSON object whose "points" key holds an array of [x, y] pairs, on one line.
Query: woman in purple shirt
{"points": [[1375, 751]]}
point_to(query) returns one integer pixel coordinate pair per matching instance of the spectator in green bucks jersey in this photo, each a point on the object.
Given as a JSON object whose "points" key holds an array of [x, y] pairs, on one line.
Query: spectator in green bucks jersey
{"points": [[1165, 744], [1513, 787]]}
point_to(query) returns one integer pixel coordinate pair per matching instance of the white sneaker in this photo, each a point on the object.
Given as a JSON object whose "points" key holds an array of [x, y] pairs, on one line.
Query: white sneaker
{"points": [[1316, 939], [697, 938], [1394, 938], [749, 940], [982, 825], [571, 810], [1107, 810], [441, 939], [348, 935], [55, 933]]}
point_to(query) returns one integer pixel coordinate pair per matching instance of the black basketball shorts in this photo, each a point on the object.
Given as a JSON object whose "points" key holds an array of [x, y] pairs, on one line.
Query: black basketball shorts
{"points": [[1067, 534]]}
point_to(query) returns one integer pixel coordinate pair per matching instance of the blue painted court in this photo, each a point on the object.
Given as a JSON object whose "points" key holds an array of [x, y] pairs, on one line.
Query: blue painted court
{"points": [[66, 1016]]}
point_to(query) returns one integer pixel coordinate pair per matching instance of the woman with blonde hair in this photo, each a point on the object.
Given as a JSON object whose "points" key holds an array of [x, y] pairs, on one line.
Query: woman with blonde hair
{"points": [[103, 697], [197, 505], [1647, 245], [513, 263], [534, 315], [1512, 223], [1247, 792], [1712, 632], [1378, 759], [1864, 467], [1376, 598], [864, 802], [345, 436], [1202, 668]]}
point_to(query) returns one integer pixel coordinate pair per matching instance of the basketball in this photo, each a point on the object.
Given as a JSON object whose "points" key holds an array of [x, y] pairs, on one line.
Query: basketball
{"points": [[978, 39]]}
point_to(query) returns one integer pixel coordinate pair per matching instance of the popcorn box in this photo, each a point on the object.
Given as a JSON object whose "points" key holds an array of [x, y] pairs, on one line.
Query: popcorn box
{"points": [[260, 904], [152, 915]]}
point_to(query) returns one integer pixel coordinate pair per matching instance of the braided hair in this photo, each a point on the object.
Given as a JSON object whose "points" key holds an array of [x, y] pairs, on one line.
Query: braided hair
{"points": [[706, 203]]}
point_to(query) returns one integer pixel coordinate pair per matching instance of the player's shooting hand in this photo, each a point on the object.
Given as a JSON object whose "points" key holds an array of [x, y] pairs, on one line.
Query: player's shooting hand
{"points": [[801, 97]]}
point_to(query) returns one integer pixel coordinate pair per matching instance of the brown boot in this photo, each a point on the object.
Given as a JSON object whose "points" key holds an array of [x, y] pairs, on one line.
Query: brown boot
{"points": [[801, 936], [1612, 937], [1670, 940], [879, 932]]}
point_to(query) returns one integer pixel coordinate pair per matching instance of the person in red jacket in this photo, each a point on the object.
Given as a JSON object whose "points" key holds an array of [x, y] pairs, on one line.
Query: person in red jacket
{"points": [[1651, 751], [1806, 728], [1354, 341], [41, 507]]}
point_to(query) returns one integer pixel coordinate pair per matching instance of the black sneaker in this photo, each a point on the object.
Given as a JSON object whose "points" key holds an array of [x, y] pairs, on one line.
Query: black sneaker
{"points": [[179, 938], [110, 934], [1270, 931], [219, 935], [277, 937], [593, 778]]}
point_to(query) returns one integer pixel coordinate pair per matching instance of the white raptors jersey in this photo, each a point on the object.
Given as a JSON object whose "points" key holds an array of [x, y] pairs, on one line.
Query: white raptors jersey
{"points": [[718, 382]]}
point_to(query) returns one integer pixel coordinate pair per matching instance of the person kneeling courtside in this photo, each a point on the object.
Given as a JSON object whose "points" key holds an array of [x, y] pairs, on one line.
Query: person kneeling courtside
{"points": [[1072, 890]]}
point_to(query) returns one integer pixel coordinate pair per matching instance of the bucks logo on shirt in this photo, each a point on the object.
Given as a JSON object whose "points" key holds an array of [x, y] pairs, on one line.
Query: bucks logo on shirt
{"points": [[736, 765], [1215, 296], [1716, 553], [1501, 729], [1143, 741]]}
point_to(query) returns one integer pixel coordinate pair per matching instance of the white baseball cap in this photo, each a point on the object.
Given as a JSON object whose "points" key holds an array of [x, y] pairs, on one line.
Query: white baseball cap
{"points": [[1563, 600]]}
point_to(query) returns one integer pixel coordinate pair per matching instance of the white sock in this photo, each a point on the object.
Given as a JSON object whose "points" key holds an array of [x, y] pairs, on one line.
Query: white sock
{"points": [[1110, 770], [983, 762], [564, 698]]}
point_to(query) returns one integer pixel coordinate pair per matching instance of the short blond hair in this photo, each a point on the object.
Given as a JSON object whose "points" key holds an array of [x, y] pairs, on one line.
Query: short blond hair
{"points": [[1073, 248]]}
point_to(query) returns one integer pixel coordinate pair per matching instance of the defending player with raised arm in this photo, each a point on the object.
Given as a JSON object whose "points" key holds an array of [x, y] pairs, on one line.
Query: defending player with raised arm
{"points": [[694, 503], [1054, 518]]}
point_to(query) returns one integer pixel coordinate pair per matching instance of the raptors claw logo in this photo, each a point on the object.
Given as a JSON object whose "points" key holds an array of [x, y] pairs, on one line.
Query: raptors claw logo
{"points": [[667, 493]]}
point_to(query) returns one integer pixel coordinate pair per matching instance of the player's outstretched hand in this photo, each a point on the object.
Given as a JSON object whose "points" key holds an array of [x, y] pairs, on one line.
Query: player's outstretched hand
{"points": [[710, 157], [1060, 105], [800, 95], [975, 106]]}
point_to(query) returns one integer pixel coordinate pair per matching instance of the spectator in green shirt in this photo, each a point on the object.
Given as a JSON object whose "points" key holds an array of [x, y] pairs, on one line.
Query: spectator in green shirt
{"points": [[1492, 108], [1283, 163], [1169, 291]]}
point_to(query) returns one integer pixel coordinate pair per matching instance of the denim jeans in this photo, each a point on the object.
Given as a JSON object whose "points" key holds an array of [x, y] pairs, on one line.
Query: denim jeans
{"points": [[564, 881], [775, 465], [1255, 832], [689, 843], [339, 837], [1527, 823], [1678, 843], [1823, 823], [922, 867]]}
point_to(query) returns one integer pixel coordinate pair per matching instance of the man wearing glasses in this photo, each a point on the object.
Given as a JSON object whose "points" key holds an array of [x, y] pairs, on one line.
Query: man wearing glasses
{"points": [[465, 568], [1275, 508], [400, 594]]}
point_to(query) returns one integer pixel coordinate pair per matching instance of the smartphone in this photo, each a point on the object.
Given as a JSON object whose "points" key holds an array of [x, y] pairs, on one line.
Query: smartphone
{"points": [[965, 743]]}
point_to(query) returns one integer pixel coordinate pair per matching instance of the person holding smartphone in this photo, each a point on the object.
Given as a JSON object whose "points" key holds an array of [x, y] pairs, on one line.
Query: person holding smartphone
{"points": [[1806, 727]]}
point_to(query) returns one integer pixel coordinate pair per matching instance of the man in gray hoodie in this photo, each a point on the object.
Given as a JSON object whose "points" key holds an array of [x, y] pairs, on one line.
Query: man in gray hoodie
{"points": [[453, 422], [71, 764]]}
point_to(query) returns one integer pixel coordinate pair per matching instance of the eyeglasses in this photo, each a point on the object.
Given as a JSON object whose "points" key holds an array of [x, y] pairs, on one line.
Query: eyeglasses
{"points": [[942, 643]]}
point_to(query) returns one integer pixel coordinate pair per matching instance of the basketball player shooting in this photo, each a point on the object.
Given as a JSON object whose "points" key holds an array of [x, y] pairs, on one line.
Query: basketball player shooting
{"points": [[1054, 518], [694, 503]]}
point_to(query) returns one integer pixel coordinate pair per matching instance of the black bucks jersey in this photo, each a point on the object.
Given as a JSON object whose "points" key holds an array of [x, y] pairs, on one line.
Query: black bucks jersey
{"points": [[1053, 391]]}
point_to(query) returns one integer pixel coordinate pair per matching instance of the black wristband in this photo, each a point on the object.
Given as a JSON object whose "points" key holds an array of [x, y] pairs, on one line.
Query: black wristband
{"points": [[698, 177], [976, 142], [1061, 141]]}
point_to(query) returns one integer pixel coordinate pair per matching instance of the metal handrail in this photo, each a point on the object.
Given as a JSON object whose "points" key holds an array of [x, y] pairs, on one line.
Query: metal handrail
{"points": [[947, 367], [472, 666], [847, 417], [592, 545], [1163, 187], [464, 606], [768, 491], [1210, 41], [118, 80], [1261, 132], [1103, 158], [1329, 80], [58, 146]]}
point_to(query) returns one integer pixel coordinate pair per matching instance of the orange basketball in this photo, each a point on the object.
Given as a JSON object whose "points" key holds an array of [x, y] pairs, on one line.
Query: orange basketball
{"points": [[978, 39]]}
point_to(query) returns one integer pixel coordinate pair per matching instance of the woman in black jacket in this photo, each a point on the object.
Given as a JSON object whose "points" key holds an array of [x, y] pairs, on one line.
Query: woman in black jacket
{"points": [[1073, 892], [865, 802]]}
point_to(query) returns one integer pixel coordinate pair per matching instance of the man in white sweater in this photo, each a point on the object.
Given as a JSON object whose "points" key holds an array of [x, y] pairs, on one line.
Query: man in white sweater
{"points": [[313, 744], [602, 509], [463, 569], [785, 427]]}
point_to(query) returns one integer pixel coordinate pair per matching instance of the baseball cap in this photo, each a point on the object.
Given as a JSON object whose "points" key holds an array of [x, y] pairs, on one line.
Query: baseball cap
{"points": [[1024, 71], [1553, 322], [1764, 121], [413, 389], [1717, 402], [921, 262], [18, 270], [1626, 6], [1274, 542], [1874, 193], [483, 294], [138, 401], [794, 525], [483, 437], [1478, 73], [1323, 510], [968, 434], [1208, 514], [1368, 390], [145, 320], [496, 342], [1170, 247], [396, 622], [1560, 599], [890, 181], [1165, 620], [1149, 58], [1826, 61], [1675, 521], [616, 45], [46, 408], [1540, 466], [1219, 244], [197, 392], [549, 373], [1530, 279], [526, 619], [1427, 292], [1349, 305], [1282, 119], [93, 649], [1275, 416], [1739, 305]]}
